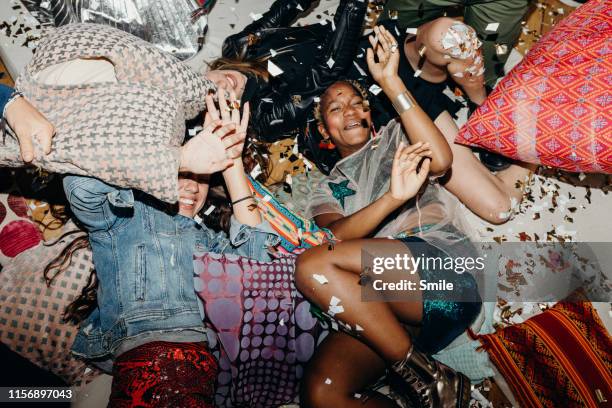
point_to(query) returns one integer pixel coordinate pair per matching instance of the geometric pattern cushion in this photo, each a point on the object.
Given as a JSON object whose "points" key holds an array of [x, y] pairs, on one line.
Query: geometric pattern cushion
{"points": [[559, 358], [554, 107], [31, 321]]}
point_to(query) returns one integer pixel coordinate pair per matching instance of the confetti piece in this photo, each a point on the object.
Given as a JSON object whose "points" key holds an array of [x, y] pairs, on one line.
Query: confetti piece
{"points": [[273, 69], [581, 176], [320, 278], [281, 322], [330, 62], [334, 310], [334, 325], [256, 171], [334, 301], [273, 52], [197, 219], [417, 73], [328, 381], [323, 22], [361, 71], [492, 27], [501, 49], [411, 30], [209, 210], [254, 16], [299, 7], [375, 89], [358, 328], [357, 395]]}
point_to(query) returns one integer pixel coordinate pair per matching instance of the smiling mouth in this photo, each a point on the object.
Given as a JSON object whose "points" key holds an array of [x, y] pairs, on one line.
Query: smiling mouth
{"points": [[352, 125], [186, 201]]}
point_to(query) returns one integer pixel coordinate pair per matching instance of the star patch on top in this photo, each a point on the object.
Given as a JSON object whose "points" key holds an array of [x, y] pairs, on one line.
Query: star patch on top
{"points": [[340, 191]]}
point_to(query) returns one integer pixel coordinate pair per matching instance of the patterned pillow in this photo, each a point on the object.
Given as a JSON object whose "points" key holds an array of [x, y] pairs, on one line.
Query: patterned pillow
{"points": [[17, 231], [30, 312], [559, 358], [263, 325], [554, 107]]}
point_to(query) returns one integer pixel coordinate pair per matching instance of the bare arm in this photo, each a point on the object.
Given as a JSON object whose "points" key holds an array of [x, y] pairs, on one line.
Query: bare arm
{"points": [[245, 208], [405, 184], [362, 223], [417, 125]]}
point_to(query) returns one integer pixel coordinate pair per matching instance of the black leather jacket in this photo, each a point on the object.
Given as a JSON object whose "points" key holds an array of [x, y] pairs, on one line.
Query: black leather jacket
{"points": [[311, 57]]}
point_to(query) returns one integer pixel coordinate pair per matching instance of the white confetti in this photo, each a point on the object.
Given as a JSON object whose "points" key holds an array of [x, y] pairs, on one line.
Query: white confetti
{"points": [[334, 325], [323, 22], [375, 89], [282, 322], [267, 100], [198, 219], [276, 121], [334, 310], [255, 17], [273, 69], [256, 171], [317, 99], [417, 73], [357, 395], [299, 7], [358, 327], [87, 370], [334, 301], [273, 52], [412, 30], [330, 62], [209, 210], [361, 71], [492, 27], [320, 278], [328, 381], [581, 176]]}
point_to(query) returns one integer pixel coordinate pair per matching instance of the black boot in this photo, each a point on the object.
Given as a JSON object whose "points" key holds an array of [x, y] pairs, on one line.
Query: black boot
{"points": [[427, 383], [493, 161]]}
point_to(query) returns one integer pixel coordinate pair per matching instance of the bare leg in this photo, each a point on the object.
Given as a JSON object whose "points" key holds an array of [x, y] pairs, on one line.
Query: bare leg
{"points": [[342, 265], [488, 195], [351, 366]]}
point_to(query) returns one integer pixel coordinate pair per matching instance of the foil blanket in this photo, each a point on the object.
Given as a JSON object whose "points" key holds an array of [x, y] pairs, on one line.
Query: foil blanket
{"points": [[164, 23]]}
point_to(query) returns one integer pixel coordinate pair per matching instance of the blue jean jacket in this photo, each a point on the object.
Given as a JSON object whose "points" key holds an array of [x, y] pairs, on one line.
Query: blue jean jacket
{"points": [[144, 262], [5, 94]]}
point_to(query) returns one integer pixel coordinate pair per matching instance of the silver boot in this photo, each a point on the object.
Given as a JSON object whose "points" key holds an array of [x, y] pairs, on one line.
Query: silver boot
{"points": [[427, 383]]}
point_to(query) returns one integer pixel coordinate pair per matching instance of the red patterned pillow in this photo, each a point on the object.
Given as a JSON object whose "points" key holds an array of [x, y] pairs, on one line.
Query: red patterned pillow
{"points": [[17, 231], [554, 108], [559, 358]]}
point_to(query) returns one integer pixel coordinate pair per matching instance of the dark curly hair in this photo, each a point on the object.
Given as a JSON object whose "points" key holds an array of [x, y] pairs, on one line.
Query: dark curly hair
{"points": [[325, 160]]}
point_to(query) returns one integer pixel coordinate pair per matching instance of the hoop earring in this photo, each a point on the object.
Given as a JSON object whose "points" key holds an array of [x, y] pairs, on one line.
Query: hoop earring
{"points": [[326, 144]]}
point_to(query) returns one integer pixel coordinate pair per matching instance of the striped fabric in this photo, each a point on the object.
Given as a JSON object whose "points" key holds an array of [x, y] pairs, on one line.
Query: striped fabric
{"points": [[297, 233], [560, 358]]}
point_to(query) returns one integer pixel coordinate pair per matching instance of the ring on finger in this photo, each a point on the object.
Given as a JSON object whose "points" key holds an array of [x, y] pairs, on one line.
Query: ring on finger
{"points": [[393, 48], [235, 104]]}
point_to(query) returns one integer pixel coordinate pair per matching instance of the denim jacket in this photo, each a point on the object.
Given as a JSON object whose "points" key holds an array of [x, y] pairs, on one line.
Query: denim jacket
{"points": [[144, 263]]}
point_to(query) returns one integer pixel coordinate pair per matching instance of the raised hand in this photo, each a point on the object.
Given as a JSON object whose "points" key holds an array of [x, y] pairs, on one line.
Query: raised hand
{"points": [[29, 124], [229, 113], [385, 49], [405, 179], [213, 149]]}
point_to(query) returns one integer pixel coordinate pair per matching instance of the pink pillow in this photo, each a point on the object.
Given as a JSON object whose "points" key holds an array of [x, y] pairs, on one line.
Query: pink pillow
{"points": [[554, 108]]}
